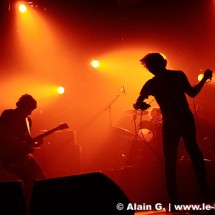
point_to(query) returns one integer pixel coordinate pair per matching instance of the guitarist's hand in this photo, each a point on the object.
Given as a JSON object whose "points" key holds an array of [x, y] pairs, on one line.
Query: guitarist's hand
{"points": [[37, 144]]}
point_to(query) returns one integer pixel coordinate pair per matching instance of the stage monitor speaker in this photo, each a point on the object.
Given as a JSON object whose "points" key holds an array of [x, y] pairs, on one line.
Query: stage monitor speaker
{"points": [[90, 193], [11, 198]]}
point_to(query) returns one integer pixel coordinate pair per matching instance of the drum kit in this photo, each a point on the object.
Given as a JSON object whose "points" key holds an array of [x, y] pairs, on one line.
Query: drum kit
{"points": [[145, 139], [146, 133], [147, 124]]}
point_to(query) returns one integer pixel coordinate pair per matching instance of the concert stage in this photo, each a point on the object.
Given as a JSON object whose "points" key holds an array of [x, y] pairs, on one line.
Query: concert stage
{"points": [[153, 213], [178, 213]]}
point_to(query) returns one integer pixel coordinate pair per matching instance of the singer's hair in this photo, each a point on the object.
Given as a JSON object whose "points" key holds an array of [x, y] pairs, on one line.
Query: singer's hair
{"points": [[26, 101], [154, 58]]}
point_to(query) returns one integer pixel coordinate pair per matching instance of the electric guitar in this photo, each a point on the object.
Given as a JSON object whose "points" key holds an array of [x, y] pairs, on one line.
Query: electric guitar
{"points": [[15, 149]]}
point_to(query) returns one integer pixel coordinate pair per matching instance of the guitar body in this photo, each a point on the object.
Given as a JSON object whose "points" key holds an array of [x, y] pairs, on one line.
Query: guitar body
{"points": [[12, 148]]}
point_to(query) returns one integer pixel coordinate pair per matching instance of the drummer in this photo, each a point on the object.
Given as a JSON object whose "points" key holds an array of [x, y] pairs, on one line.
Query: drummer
{"points": [[155, 115]]}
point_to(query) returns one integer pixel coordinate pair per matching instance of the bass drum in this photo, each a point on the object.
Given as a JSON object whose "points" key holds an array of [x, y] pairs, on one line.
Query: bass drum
{"points": [[145, 134], [150, 138], [152, 129], [146, 131]]}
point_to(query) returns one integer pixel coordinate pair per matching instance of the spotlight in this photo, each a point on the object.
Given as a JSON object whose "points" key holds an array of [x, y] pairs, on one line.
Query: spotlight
{"points": [[95, 63], [22, 8], [60, 90], [25, 5], [200, 77]]}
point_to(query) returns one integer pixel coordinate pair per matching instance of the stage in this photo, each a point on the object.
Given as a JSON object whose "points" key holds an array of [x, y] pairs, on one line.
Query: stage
{"points": [[154, 212], [178, 213]]}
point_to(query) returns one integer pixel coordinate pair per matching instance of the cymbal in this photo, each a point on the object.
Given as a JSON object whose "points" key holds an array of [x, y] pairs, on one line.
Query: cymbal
{"points": [[122, 131], [134, 112]]}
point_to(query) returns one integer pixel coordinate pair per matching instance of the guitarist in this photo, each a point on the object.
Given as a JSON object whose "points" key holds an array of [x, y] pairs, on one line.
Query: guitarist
{"points": [[169, 87], [15, 127]]}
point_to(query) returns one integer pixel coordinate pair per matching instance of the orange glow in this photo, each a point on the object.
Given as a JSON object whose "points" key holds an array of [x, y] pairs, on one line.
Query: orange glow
{"points": [[42, 90], [35, 36], [47, 59], [123, 65], [46, 49], [164, 56]]}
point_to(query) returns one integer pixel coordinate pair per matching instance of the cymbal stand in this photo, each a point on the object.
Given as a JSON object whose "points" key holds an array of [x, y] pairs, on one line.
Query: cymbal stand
{"points": [[134, 148], [108, 107]]}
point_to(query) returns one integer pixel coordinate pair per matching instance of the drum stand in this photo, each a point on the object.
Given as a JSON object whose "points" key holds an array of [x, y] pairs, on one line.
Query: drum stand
{"points": [[133, 155], [134, 148]]}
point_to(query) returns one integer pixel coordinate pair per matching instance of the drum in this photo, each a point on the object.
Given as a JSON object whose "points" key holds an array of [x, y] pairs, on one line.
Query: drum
{"points": [[155, 115], [150, 142], [145, 134], [146, 131]]}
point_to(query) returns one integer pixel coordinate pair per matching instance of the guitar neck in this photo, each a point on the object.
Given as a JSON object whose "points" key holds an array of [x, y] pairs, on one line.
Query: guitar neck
{"points": [[35, 139]]}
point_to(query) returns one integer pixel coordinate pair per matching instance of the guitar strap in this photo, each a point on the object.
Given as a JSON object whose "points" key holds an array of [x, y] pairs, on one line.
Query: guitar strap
{"points": [[28, 125]]}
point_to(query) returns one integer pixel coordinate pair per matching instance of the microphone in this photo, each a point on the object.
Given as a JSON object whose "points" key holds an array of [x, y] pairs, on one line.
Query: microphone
{"points": [[208, 73], [122, 89]]}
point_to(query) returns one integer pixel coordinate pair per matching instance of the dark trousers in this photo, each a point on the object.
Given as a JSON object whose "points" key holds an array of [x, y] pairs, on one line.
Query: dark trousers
{"points": [[174, 129], [28, 170]]}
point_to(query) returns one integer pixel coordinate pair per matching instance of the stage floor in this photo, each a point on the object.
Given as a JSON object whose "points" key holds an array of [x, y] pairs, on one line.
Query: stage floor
{"points": [[152, 213], [163, 212]]}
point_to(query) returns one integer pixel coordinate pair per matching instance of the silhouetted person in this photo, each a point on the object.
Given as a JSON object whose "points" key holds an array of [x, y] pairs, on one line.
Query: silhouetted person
{"points": [[15, 152], [169, 87]]}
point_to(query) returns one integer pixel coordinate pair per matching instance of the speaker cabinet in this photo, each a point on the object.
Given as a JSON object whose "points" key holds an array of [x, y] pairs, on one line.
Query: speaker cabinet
{"points": [[91, 193], [11, 198], [60, 154]]}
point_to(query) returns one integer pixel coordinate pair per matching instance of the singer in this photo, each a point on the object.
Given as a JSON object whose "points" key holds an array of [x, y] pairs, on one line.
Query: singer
{"points": [[169, 87]]}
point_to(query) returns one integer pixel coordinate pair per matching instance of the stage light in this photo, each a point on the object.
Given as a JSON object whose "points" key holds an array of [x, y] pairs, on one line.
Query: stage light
{"points": [[95, 63], [200, 77], [22, 8], [60, 90]]}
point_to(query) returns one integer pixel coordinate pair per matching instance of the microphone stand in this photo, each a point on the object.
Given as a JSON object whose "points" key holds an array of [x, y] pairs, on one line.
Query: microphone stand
{"points": [[108, 107]]}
